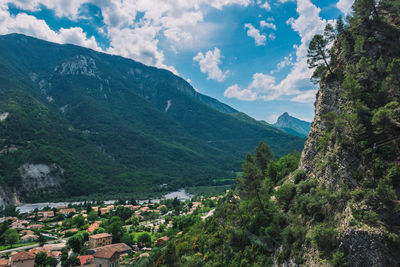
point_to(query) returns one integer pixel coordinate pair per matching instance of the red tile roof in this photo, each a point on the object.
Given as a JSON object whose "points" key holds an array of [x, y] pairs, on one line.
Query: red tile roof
{"points": [[119, 247], [84, 259], [101, 235], [22, 256], [105, 253]]}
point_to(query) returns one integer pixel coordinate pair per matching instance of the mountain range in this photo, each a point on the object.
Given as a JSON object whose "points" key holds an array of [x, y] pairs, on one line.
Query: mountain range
{"points": [[292, 125], [75, 122]]}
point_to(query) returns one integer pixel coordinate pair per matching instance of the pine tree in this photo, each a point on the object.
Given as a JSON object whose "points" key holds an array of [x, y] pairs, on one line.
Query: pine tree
{"points": [[318, 51]]}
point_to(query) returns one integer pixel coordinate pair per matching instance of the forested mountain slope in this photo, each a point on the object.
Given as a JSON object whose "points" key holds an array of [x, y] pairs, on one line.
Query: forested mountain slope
{"points": [[76, 122], [340, 205]]}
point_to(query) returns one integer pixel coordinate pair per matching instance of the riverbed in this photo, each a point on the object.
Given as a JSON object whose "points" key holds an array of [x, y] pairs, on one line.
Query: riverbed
{"points": [[181, 194]]}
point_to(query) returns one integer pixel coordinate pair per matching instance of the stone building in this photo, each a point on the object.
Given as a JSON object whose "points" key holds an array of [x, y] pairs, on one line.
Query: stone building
{"points": [[99, 240], [23, 259]]}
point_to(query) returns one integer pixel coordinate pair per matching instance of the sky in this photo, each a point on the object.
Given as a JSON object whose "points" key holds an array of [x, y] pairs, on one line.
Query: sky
{"points": [[249, 54]]}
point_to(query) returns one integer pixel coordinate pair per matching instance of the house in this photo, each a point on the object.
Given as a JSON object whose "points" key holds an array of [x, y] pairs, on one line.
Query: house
{"points": [[55, 247], [23, 259], [36, 226], [129, 206], [106, 257], [93, 226], [19, 224], [65, 212], [99, 240], [46, 214], [144, 209], [96, 209], [5, 219], [121, 248], [28, 238], [161, 241], [104, 211], [70, 231], [86, 259], [4, 263], [27, 232]]}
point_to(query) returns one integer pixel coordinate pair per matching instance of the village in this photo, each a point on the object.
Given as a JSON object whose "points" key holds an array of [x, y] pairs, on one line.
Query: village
{"points": [[95, 234]]}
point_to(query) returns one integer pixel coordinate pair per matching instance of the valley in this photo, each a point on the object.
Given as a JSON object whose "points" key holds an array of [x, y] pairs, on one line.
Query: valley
{"points": [[106, 161]]}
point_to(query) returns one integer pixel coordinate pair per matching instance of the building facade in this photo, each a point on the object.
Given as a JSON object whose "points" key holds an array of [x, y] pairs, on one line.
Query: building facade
{"points": [[99, 240]]}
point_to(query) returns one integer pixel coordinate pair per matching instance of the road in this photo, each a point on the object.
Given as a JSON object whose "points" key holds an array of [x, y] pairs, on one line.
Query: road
{"points": [[210, 213], [26, 247]]}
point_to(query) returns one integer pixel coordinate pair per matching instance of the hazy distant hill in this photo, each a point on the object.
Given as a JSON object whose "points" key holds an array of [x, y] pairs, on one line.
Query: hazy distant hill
{"points": [[79, 122], [293, 125]]}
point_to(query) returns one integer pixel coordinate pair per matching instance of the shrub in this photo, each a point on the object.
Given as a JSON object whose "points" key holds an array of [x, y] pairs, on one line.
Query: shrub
{"points": [[337, 259], [285, 194], [323, 237], [370, 217], [299, 175], [305, 187]]}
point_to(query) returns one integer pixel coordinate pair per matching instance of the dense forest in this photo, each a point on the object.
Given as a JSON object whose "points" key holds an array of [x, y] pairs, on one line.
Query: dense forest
{"points": [[337, 204]]}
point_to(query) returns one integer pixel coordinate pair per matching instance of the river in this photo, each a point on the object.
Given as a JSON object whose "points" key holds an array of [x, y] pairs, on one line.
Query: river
{"points": [[181, 194]]}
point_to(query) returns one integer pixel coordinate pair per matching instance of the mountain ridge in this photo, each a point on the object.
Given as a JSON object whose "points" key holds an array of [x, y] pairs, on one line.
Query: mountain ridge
{"points": [[99, 115], [293, 125]]}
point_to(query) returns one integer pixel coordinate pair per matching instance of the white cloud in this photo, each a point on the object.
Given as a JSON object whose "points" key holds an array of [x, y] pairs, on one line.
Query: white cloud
{"points": [[219, 4], [30, 25], [305, 97], [297, 83], [271, 36], [260, 39], [296, 86], [285, 1], [264, 24], [234, 91], [345, 6], [287, 61], [264, 5], [62, 8], [181, 22], [209, 63], [263, 86]]}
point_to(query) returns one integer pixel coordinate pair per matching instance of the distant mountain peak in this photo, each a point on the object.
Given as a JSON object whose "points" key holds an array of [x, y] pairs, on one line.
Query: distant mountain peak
{"points": [[292, 125]]}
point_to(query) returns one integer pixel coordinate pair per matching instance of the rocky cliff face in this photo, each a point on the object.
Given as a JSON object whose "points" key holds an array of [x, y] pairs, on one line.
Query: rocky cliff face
{"points": [[35, 177], [341, 151]]}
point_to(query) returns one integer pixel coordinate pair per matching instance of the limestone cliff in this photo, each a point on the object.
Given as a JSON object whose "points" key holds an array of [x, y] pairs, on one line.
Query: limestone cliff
{"points": [[352, 145]]}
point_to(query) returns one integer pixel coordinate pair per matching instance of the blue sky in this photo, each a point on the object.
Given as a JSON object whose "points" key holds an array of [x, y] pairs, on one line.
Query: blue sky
{"points": [[250, 54]]}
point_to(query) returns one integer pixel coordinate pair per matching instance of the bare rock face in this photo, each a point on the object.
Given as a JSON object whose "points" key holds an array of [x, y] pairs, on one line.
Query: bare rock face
{"points": [[367, 248], [38, 176], [34, 177], [328, 100], [80, 65]]}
